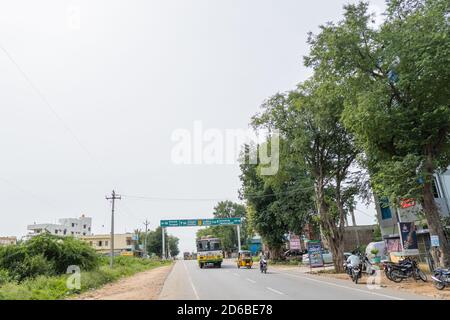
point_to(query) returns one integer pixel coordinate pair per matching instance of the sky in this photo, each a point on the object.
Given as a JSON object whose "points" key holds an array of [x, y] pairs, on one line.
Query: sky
{"points": [[93, 91]]}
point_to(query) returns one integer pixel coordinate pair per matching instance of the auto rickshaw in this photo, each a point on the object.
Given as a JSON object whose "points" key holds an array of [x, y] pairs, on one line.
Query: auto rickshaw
{"points": [[244, 259]]}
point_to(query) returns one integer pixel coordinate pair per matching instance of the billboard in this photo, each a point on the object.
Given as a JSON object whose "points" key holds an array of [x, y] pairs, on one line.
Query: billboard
{"points": [[408, 238], [294, 242], [315, 254]]}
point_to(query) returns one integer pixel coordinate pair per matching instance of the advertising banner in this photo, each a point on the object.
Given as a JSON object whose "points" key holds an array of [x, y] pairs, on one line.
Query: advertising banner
{"points": [[315, 254], [408, 237], [294, 242]]}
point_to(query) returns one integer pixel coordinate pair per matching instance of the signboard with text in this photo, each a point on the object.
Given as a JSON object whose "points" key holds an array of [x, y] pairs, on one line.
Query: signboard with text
{"points": [[434, 241], [315, 254], [294, 242], [200, 222]]}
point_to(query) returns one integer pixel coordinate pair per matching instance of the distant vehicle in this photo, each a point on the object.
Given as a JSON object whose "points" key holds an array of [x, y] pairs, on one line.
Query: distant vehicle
{"points": [[244, 259], [327, 257], [293, 253], [187, 256], [209, 252], [127, 254]]}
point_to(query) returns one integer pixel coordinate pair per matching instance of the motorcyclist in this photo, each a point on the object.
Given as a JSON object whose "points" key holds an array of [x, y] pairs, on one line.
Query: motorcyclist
{"points": [[262, 259], [353, 261]]}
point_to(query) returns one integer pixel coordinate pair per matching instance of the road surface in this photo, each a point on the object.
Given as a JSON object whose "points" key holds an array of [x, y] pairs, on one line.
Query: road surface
{"points": [[188, 282]]}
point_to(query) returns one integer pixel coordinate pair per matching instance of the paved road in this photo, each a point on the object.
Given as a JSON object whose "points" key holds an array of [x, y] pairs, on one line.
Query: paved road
{"points": [[188, 282]]}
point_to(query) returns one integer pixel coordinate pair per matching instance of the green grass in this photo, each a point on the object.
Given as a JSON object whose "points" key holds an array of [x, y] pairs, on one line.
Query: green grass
{"points": [[54, 287], [292, 262]]}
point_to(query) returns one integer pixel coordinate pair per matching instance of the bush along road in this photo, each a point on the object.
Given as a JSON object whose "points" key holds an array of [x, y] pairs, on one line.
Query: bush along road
{"points": [[37, 269]]}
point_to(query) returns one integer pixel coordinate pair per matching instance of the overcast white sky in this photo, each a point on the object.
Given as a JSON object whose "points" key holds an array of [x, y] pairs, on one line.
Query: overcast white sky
{"points": [[121, 76]]}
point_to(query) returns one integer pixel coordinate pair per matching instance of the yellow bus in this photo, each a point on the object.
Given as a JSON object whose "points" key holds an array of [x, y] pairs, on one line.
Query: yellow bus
{"points": [[209, 252]]}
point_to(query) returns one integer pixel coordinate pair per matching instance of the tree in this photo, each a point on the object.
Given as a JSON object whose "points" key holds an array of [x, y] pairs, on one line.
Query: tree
{"points": [[397, 98], [264, 220], [173, 246], [309, 119], [154, 243]]}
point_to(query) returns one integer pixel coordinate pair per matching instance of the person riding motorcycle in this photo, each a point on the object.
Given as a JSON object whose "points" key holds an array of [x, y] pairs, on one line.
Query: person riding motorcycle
{"points": [[353, 261], [262, 260]]}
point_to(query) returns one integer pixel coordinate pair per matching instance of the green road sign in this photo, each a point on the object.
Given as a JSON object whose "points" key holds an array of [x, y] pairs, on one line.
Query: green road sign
{"points": [[200, 222]]}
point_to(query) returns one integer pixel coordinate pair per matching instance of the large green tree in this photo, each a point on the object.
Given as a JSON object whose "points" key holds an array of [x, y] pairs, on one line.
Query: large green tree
{"points": [[279, 203], [268, 223], [397, 98], [309, 120], [154, 243]]}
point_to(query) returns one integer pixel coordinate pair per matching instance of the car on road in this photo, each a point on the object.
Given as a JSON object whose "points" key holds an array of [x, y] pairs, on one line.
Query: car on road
{"points": [[327, 257]]}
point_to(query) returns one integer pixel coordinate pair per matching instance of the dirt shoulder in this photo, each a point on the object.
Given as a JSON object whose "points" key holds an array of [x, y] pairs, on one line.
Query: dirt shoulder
{"points": [[145, 285], [409, 285]]}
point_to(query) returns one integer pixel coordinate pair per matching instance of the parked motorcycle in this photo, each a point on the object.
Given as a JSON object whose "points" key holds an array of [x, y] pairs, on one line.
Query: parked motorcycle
{"points": [[406, 269], [389, 266], [441, 278]]}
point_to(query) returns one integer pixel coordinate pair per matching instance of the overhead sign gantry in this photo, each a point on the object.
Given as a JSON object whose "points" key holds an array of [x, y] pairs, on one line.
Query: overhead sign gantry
{"points": [[199, 223]]}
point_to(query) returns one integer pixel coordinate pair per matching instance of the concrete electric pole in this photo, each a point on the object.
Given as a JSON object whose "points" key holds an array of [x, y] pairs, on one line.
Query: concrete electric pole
{"points": [[146, 223], [113, 197]]}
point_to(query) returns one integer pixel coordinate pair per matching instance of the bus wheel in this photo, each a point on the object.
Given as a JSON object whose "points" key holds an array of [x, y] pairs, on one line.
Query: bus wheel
{"points": [[201, 265]]}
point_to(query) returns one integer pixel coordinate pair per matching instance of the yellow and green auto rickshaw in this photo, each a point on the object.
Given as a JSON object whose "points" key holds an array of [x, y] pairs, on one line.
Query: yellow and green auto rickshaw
{"points": [[244, 259]]}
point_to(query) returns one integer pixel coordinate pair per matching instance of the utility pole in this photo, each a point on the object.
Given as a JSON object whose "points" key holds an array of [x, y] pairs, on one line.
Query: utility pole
{"points": [[352, 213], [113, 197], [146, 223]]}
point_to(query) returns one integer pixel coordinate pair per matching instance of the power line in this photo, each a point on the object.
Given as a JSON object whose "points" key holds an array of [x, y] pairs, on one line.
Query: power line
{"points": [[47, 103], [218, 199], [368, 215]]}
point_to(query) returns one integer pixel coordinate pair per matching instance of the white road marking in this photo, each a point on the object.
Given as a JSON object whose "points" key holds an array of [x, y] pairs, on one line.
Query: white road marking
{"points": [[341, 286], [190, 281], [250, 280], [273, 290]]}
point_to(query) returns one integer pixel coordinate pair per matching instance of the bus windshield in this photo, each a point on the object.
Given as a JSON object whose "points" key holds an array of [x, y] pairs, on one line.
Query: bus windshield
{"points": [[208, 245]]}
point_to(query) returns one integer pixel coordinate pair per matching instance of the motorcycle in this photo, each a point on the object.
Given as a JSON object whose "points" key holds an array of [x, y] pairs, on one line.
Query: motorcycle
{"points": [[408, 268], [263, 266], [356, 273], [441, 278], [348, 269]]}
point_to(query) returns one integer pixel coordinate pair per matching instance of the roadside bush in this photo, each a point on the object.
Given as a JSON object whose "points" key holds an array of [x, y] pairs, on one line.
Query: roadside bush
{"points": [[54, 287], [4, 276], [63, 252], [46, 255], [34, 266]]}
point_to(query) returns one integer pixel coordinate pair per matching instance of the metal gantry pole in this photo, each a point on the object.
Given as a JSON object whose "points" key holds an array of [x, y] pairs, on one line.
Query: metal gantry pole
{"points": [[163, 243], [238, 228]]}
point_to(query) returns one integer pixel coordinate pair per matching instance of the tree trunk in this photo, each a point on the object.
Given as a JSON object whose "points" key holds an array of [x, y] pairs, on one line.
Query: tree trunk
{"points": [[337, 250], [330, 231], [275, 253], [434, 220]]}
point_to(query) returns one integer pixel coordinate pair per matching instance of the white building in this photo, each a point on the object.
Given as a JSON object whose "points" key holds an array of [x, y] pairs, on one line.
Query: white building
{"points": [[66, 227]]}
